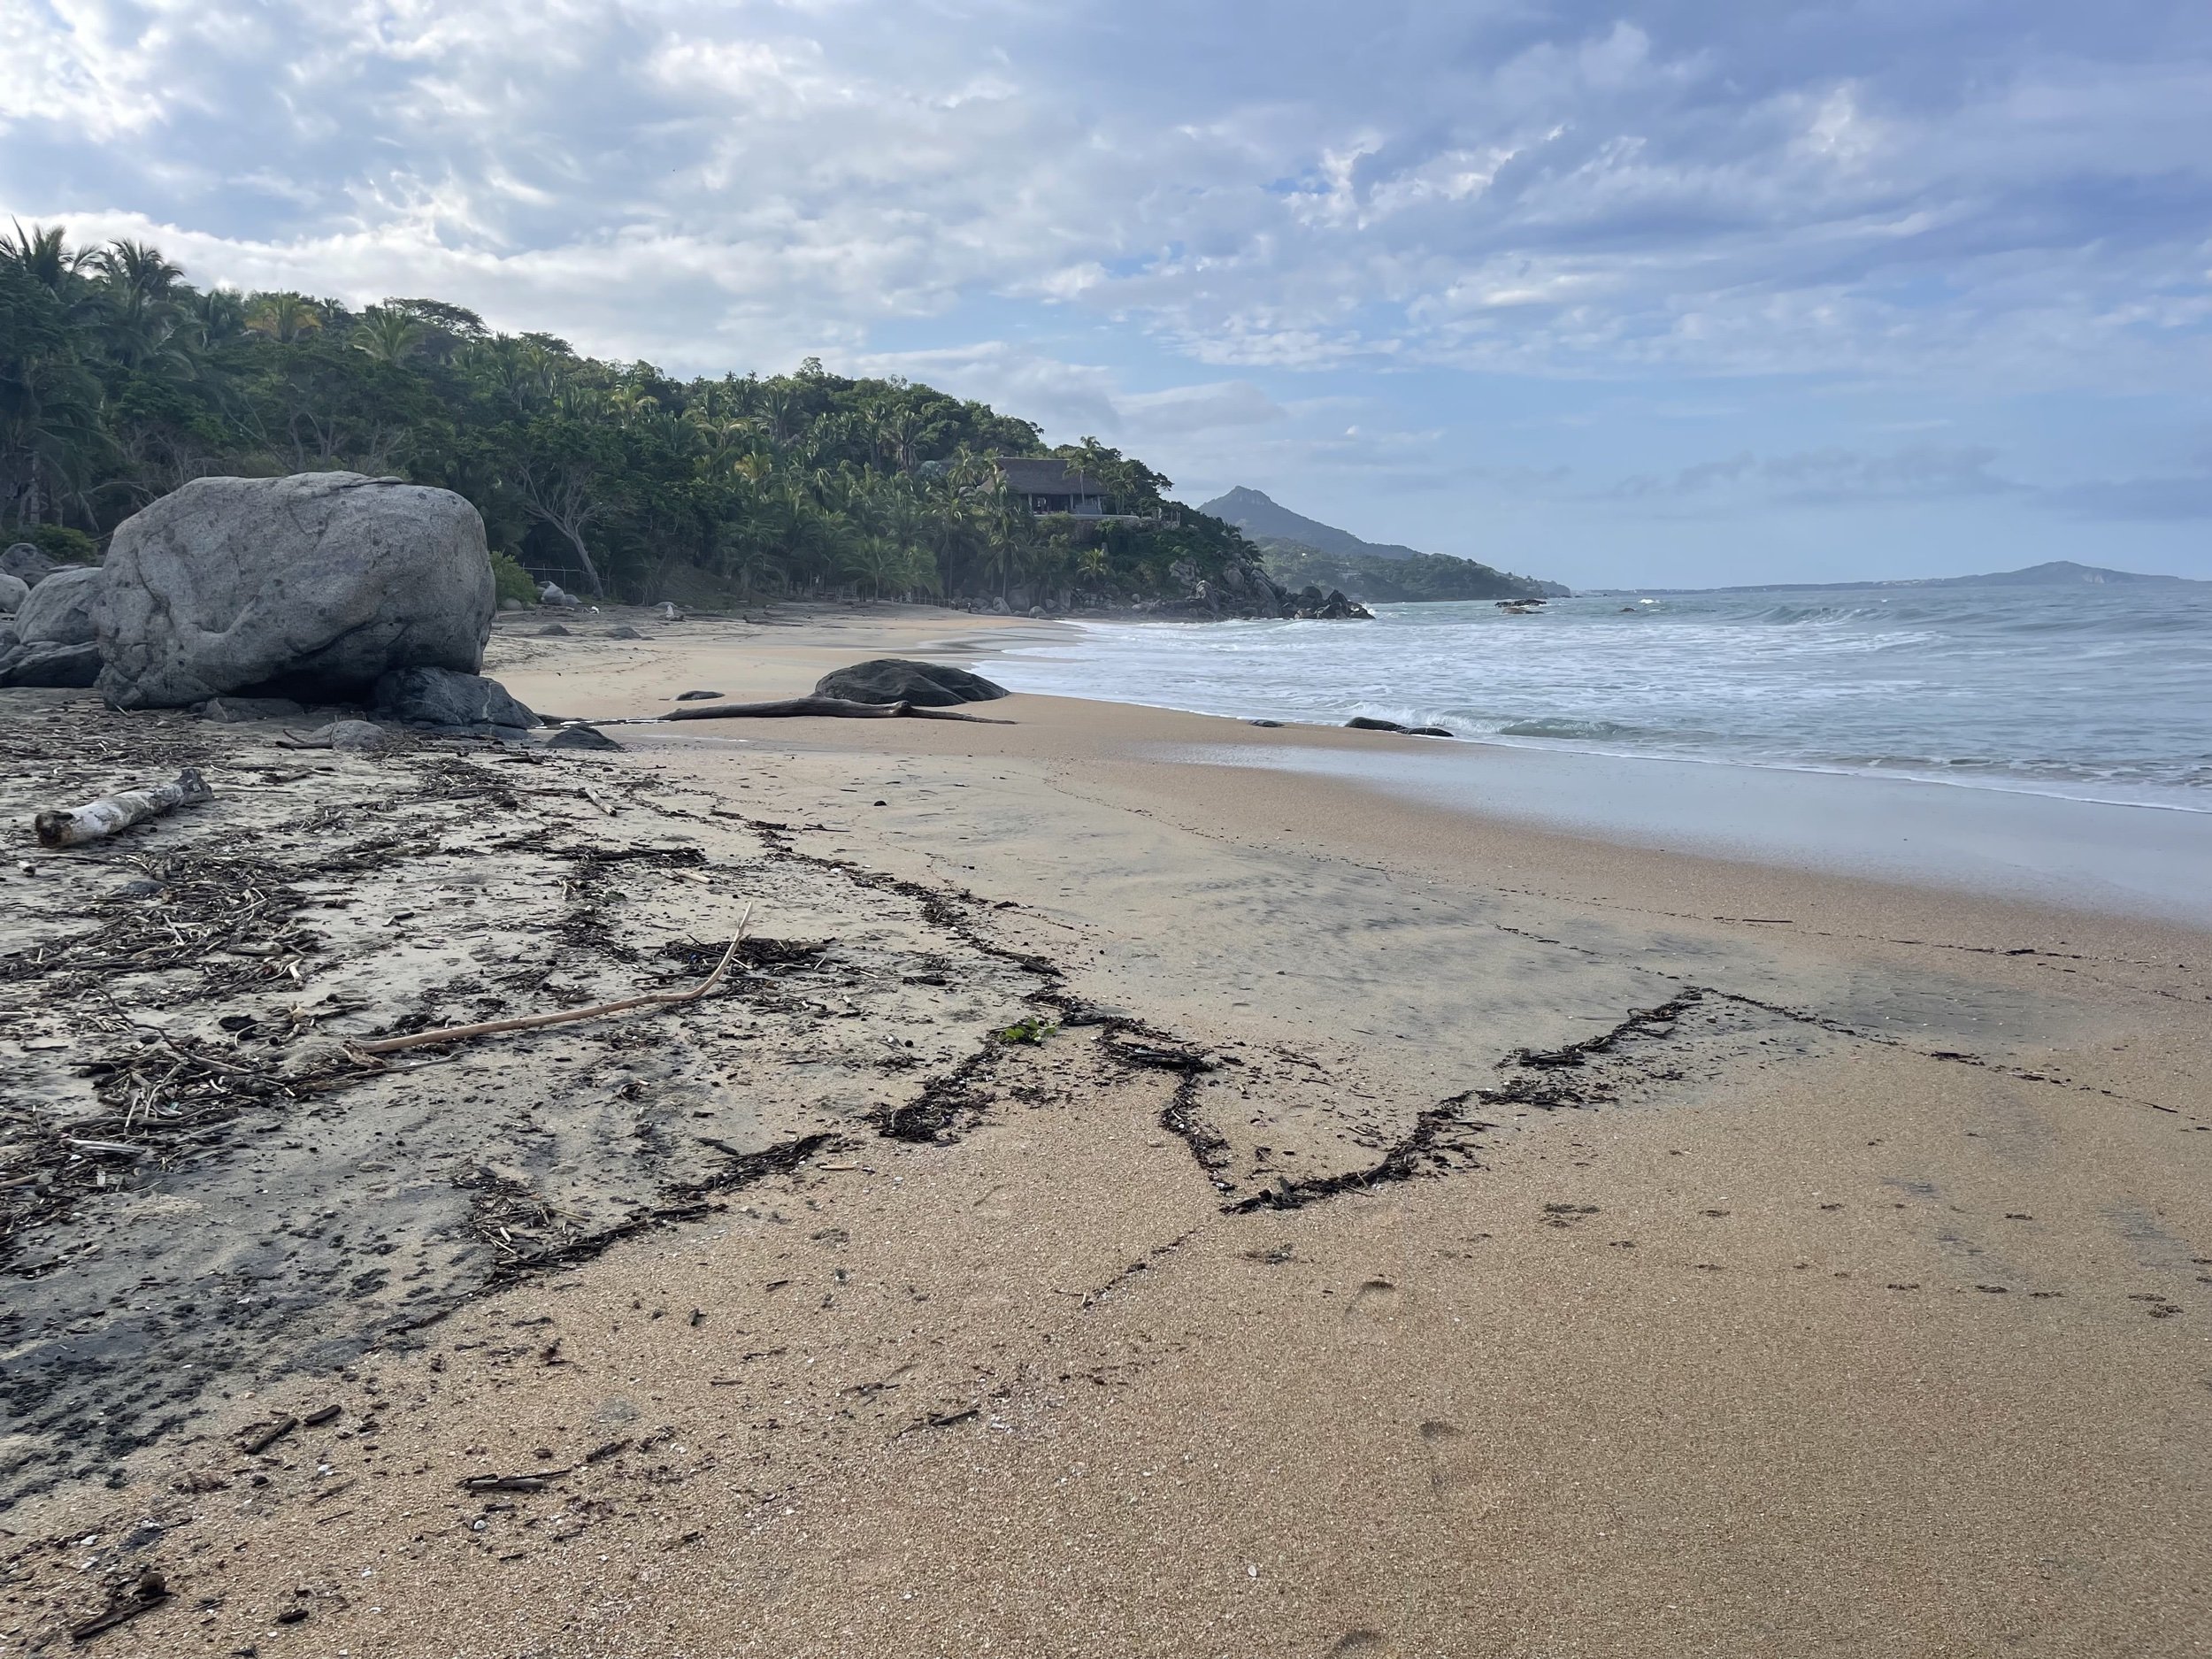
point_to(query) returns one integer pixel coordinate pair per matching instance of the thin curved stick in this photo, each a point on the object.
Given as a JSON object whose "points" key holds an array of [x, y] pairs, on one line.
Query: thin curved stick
{"points": [[532, 1022]]}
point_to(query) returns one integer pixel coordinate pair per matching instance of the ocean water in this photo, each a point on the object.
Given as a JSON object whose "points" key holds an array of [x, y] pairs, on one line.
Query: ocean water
{"points": [[2096, 693]]}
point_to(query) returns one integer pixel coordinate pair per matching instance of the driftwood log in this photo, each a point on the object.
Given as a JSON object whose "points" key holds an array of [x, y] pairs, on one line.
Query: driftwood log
{"points": [[837, 708], [532, 1022], [67, 826]]}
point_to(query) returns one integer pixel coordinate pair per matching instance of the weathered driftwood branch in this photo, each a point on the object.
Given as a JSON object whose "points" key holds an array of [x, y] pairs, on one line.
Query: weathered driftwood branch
{"points": [[837, 707], [109, 815], [532, 1022]]}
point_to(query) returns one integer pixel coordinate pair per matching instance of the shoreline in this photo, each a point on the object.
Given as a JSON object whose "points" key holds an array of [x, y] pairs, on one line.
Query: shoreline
{"points": [[1180, 680], [2004, 857], [1403, 1222]]}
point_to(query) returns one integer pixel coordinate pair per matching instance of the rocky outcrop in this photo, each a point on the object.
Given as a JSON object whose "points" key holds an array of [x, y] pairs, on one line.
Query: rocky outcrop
{"points": [[1312, 605], [1242, 588], [13, 591], [441, 699], [897, 679], [54, 632], [311, 587]]}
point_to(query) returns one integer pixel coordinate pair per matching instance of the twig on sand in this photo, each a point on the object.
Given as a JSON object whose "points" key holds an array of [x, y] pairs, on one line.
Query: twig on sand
{"points": [[97, 820], [262, 1438], [148, 1591], [512, 1483], [836, 707], [532, 1022]]}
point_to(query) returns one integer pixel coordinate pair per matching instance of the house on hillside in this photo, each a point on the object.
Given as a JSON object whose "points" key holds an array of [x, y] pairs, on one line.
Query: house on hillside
{"points": [[1052, 486]]}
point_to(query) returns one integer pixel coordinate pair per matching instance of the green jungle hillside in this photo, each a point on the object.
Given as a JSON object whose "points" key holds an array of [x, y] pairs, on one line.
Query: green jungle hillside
{"points": [[120, 380]]}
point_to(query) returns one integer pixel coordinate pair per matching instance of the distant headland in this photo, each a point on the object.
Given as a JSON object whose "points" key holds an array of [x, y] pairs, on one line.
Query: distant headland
{"points": [[2052, 573]]}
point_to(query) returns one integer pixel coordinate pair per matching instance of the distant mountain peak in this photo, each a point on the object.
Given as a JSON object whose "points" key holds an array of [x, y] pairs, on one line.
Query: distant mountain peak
{"points": [[1259, 515], [1277, 529]]}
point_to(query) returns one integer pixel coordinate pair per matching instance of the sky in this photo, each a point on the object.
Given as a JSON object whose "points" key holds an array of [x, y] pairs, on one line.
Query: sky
{"points": [[1636, 295]]}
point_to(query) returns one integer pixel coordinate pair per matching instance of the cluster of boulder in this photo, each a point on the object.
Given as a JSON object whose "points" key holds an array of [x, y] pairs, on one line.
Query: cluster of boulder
{"points": [[263, 598]]}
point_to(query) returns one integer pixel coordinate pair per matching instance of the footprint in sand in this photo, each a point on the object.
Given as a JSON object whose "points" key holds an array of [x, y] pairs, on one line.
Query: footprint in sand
{"points": [[1451, 1456], [1368, 1644], [1374, 1307]]}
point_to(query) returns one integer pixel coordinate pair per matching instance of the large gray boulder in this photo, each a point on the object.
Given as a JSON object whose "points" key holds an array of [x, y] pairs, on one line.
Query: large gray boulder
{"points": [[897, 679], [53, 630], [313, 587], [61, 609], [25, 563], [13, 591]]}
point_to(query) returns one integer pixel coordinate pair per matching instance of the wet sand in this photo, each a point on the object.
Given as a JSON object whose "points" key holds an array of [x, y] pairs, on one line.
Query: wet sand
{"points": [[1417, 1232]]}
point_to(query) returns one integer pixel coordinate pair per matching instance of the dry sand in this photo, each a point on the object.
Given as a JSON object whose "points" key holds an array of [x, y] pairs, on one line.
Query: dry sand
{"points": [[1417, 1234]]}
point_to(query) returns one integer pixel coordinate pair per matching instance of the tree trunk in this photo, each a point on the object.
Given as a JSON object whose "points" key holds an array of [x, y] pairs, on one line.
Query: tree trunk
{"points": [[591, 571]]}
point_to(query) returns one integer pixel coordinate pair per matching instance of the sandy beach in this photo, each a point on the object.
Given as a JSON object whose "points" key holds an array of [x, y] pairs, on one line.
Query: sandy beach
{"points": [[1135, 1195]]}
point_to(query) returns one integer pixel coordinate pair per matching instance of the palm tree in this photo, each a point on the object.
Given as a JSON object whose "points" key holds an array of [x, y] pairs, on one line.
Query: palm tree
{"points": [[138, 310], [217, 316], [42, 254], [629, 403], [285, 318], [388, 335]]}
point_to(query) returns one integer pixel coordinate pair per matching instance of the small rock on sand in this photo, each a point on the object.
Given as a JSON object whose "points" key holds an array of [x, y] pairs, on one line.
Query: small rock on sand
{"points": [[582, 737], [232, 710], [697, 696], [358, 737], [439, 697]]}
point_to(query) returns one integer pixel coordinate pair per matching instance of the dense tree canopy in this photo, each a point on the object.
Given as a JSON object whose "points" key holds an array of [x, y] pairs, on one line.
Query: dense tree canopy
{"points": [[120, 381]]}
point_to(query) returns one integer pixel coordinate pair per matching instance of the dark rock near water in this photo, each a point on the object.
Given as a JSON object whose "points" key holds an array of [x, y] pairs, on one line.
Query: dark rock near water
{"points": [[1363, 722], [552, 630], [625, 631], [582, 737], [898, 679], [441, 699], [1270, 724], [1312, 605], [312, 585]]}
